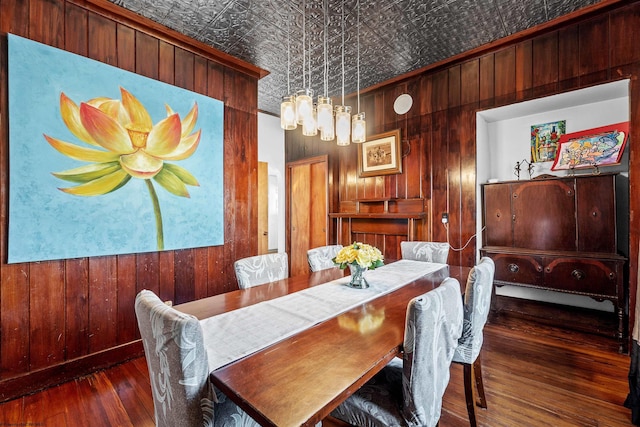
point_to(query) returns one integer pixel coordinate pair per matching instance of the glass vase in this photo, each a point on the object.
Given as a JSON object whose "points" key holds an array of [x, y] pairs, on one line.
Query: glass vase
{"points": [[357, 277]]}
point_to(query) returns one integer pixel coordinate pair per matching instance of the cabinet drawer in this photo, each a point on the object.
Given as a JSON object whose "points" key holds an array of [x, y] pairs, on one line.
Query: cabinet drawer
{"points": [[590, 276], [523, 269]]}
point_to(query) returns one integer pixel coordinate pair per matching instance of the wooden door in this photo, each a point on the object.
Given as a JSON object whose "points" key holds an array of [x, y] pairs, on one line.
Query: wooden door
{"points": [[307, 210], [263, 208]]}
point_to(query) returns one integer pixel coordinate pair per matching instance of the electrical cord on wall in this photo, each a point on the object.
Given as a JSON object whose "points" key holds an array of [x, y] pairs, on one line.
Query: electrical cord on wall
{"points": [[445, 224]]}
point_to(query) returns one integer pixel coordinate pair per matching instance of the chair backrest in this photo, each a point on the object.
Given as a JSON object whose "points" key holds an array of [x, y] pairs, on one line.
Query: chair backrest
{"points": [[477, 303], [433, 327], [321, 258], [177, 362], [425, 251], [259, 269]]}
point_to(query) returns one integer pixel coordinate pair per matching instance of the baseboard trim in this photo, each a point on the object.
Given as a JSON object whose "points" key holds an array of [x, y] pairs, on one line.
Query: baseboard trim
{"points": [[31, 382]]}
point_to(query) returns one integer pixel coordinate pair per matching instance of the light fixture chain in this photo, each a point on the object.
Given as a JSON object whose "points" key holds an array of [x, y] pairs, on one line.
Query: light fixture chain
{"points": [[304, 43], [343, 52], [358, 51]]}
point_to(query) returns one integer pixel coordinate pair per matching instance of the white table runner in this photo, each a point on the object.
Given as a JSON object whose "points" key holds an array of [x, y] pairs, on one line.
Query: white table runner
{"points": [[232, 335]]}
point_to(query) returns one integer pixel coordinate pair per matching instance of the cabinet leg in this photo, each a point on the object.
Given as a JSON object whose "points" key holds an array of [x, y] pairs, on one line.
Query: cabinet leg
{"points": [[622, 339]]}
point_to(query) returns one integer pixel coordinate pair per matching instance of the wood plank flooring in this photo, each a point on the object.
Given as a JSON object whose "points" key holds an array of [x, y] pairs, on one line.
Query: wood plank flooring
{"points": [[534, 375]]}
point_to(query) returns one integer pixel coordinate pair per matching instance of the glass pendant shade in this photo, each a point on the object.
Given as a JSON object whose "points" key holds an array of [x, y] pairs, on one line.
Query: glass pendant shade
{"points": [[325, 119], [328, 133], [288, 113], [343, 125], [304, 104], [310, 124], [358, 128], [325, 112]]}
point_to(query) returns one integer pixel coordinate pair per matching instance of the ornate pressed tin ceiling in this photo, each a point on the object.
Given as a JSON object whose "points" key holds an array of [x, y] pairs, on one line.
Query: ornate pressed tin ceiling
{"points": [[396, 36]]}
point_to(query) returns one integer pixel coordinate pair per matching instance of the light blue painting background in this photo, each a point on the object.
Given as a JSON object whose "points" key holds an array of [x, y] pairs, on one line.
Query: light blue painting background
{"points": [[46, 223]]}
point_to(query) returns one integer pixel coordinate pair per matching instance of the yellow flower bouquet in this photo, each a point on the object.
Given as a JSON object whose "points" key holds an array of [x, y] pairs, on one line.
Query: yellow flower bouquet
{"points": [[362, 254], [359, 257]]}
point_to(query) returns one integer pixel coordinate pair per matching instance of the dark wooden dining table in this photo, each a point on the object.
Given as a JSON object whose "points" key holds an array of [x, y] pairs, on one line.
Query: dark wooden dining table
{"points": [[301, 379]]}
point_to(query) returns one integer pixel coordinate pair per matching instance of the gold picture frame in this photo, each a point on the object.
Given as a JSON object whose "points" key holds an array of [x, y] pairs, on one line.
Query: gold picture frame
{"points": [[380, 155]]}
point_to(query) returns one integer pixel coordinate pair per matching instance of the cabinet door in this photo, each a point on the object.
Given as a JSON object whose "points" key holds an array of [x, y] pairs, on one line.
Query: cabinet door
{"points": [[497, 215], [596, 214], [544, 215]]}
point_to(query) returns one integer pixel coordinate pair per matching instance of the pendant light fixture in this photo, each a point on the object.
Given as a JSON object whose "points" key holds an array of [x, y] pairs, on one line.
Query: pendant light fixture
{"points": [[343, 113], [359, 126], [304, 96], [325, 105], [288, 105]]}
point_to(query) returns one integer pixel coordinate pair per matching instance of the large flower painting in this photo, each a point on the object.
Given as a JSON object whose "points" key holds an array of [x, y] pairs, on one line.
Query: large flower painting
{"points": [[104, 161]]}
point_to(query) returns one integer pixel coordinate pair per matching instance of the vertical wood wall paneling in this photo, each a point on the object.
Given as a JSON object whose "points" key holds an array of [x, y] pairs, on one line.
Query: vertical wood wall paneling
{"points": [[486, 80], [166, 259], [545, 64], [504, 72], [423, 100], [242, 164], [76, 270], [568, 58], [200, 257], [216, 265], [127, 327], [55, 311], [147, 50], [46, 281], [440, 150], [103, 303], [467, 135], [524, 70], [14, 278], [454, 190], [624, 43], [103, 298], [594, 51], [470, 97], [184, 259]]}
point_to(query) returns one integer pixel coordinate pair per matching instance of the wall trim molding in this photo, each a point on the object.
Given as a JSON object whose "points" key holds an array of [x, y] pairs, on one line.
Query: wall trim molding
{"points": [[32, 382]]}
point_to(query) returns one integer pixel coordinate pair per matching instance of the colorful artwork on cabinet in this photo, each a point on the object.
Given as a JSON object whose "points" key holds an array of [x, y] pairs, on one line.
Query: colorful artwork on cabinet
{"points": [[601, 146], [544, 140], [103, 161]]}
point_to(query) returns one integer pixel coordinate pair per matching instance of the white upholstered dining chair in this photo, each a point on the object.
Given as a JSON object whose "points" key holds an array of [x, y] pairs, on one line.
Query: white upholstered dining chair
{"points": [[178, 369], [260, 269], [408, 391], [320, 258], [425, 251], [477, 303]]}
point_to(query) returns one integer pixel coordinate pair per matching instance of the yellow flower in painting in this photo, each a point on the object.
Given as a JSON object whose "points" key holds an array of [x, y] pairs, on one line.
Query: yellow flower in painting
{"points": [[127, 144], [121, 141], [362, 254]]}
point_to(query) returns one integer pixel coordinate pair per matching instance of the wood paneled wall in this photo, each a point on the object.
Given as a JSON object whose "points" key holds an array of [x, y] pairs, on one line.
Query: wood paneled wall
{"points": [[59, 319], [596, 46]]}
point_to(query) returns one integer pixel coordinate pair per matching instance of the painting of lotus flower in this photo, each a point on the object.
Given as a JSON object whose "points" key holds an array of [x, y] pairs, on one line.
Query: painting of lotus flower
{"points": [[103, 161]]}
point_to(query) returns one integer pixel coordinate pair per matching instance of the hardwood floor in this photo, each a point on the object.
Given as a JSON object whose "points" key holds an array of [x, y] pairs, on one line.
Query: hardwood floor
{"points": [[534, 375]]}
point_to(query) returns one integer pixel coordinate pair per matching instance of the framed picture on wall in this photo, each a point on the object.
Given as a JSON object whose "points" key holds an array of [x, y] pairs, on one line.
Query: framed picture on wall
{"points": [[601, 146], [544, 140], [380, 155]]}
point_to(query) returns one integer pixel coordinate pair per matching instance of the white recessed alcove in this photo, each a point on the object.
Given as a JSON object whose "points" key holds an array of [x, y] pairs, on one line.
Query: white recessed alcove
{"points": [[503, 138]]}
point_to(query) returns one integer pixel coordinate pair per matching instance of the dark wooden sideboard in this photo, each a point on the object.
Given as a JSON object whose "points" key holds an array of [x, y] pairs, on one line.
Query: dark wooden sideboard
{"points": [[557, 234]]}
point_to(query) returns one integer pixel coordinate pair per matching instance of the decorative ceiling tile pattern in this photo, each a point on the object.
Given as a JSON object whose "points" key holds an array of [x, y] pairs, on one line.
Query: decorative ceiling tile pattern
{"points": [[396, 36]]}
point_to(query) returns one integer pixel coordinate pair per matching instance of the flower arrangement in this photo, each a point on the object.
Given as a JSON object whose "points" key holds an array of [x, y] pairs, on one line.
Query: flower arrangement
{"points": [[361, 254]]}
